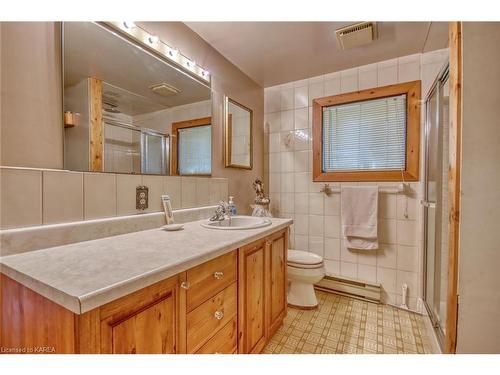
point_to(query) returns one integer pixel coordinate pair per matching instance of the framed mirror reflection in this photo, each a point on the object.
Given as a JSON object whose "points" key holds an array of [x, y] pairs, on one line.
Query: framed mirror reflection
{"points": [[122, 101], [238, 121]]}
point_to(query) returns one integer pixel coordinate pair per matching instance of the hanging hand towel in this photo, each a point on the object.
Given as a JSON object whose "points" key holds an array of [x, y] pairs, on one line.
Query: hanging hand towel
{"points": [[359, 205]]}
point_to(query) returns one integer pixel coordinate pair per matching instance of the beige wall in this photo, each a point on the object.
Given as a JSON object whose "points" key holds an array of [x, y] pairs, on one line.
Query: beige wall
{"points": [[479, 254], [31, 117], [31, 99], [228, 80]]}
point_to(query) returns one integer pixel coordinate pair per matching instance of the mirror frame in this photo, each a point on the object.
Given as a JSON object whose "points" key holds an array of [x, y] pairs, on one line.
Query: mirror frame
{"points": [[227, 134]]}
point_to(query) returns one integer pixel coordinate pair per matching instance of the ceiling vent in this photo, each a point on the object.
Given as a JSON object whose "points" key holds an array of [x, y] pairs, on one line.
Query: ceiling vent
{"points": [[164, 89], [110, 102], [356, 35]]}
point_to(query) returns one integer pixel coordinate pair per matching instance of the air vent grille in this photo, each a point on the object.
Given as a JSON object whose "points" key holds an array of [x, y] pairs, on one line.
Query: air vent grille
{"points": [[164, 89], [356, 35]]}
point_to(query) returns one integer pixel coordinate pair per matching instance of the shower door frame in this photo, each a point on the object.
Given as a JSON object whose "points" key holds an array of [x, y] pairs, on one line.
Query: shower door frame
{"points": [[444, 74], [165, 151], [142, 132]]}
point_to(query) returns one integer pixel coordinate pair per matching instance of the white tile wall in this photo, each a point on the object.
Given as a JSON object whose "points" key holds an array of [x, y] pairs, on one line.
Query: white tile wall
{"points": [[368, 76], [31, 197], [317, 218], [155, 186], [62, 196], [126, 189], [99, 199], [21, 197]]}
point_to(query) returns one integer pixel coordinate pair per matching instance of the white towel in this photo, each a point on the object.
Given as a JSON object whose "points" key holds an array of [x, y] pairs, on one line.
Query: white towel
{"points": [[359, 205]]}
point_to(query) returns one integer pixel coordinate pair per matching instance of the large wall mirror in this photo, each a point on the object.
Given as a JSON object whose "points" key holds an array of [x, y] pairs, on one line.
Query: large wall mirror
{"points": [[238, 134], [123, 105]]}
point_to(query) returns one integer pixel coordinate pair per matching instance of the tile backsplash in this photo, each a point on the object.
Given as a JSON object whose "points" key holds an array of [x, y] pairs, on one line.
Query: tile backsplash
{"points": [[31, 197], [317, 217]]}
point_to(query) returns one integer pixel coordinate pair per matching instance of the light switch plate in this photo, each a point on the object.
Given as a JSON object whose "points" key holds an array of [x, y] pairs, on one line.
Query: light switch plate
{"points": [[141, 197]]}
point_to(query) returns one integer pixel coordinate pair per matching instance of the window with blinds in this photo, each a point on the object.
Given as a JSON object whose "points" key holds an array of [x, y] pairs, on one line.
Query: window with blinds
{"points": [[365, 136], [195, 150]]}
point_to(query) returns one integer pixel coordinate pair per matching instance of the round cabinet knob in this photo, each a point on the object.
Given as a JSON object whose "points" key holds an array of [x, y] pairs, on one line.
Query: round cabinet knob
{"points": [[219, 315], [218, 275], [185, 285]]}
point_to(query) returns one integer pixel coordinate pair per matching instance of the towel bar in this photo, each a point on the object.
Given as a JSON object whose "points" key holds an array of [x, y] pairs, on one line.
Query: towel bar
{"points": [[389, 189]]}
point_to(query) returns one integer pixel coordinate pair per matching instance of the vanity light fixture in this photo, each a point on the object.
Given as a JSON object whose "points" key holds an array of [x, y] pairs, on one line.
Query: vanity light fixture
{"points": [[153, 41]]}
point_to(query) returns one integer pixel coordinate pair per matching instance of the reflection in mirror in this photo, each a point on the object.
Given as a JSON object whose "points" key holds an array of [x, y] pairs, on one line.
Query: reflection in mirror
{"points": [[123, 101], [238, 135], [192, 147]]}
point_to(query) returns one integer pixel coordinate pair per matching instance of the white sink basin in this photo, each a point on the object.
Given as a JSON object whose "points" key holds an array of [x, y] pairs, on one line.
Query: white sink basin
{"points": [[238, 222]]}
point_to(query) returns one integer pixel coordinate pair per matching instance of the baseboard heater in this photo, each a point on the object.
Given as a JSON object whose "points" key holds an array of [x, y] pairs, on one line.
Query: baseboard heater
{"points": [[350, 287]]}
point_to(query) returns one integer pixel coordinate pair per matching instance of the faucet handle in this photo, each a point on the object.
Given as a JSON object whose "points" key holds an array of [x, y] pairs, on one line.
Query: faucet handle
{"points": [[223, 205], [220, 211]]}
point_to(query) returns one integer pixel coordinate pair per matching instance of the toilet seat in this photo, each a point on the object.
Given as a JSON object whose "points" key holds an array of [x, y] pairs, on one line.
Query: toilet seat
{"points": [[304, 260]]}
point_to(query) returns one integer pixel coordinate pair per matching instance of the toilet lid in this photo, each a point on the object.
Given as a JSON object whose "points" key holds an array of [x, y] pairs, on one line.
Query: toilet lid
{"points": [[304, 257]]}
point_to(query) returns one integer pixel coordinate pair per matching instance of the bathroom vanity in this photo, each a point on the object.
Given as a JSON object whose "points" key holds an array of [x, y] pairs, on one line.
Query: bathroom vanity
{"points": [[197, 290]]}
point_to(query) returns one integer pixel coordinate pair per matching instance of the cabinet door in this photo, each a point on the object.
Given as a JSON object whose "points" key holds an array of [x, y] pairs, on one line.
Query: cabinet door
{"points": [[150, 331], [143, 322], [277, 246], [252, 297]]}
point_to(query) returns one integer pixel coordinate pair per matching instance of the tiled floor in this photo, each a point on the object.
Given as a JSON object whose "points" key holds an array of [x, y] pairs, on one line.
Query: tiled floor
{"points": [[346, 325]]}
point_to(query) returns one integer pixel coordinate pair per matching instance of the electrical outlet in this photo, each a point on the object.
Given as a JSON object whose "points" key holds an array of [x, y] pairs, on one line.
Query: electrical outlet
{"points": [[141, 197]]}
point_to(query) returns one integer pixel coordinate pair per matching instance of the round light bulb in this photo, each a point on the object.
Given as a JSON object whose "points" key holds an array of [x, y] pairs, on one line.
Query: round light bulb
{"points": [[129, 24], [153, 39], [173, 52]]}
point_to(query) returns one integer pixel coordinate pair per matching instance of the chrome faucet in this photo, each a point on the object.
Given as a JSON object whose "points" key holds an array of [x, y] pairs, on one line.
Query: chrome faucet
{"points": [[221, 212]]}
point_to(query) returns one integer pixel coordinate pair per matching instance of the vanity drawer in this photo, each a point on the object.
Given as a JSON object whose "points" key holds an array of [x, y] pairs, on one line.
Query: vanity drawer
{"points": [[210, 317], [224, 341], [209, 278]]}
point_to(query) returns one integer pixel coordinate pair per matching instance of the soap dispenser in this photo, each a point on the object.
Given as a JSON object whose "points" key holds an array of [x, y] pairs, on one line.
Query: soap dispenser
{"points": [[232, 206]]}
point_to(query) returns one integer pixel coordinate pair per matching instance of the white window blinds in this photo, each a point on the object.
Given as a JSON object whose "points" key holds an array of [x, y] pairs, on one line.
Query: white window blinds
{"points": [[195, 150], [367, 135]]}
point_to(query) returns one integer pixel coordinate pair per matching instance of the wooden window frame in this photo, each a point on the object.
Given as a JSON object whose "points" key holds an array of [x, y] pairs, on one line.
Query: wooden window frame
{"points": [[176, 126], [411, 172]]}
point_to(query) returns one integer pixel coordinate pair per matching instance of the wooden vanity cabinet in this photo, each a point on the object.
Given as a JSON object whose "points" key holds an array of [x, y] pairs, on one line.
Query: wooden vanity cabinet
{"points": [[231, 304], [262, 291]]}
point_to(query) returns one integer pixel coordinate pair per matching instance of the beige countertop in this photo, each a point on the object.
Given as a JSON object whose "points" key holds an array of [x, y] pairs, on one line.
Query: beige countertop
{"points": [[85, 275]]}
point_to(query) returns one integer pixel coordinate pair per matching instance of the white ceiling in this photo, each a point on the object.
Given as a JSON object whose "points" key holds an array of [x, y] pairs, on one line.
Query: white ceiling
{"points": [[272, 53]]}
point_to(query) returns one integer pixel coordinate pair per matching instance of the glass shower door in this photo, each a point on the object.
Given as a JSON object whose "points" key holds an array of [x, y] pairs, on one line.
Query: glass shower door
{"points": [[154, 151], [436, 204], [122, 152]]}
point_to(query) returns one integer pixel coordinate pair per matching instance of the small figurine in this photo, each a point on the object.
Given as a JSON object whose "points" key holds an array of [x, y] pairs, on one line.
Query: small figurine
{"points": [[260, 208], [260, 198]]}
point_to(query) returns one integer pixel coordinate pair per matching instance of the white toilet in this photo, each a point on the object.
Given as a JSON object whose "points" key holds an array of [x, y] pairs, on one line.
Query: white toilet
{"points": [[304, 270]]}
